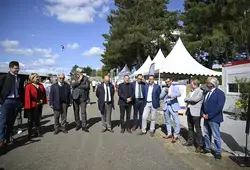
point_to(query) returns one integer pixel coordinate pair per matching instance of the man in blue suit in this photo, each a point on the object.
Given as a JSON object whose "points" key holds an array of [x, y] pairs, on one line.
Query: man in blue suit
{"points": [[212, 113], [152, 103], [138, 101], [170, 108]]}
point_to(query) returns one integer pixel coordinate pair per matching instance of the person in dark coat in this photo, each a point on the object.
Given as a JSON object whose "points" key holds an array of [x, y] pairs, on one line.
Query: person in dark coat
{"points": [[126, 94], [11, 99], [105, 94], [60, 100]]}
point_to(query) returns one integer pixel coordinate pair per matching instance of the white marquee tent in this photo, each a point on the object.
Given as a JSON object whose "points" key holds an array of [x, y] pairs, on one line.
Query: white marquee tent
{"points": [[122, 73], [179, 61], [144, 68], [158, 60]]}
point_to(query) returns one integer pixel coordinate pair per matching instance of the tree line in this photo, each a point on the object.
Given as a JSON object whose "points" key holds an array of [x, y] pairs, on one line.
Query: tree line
{"points": [[211, 30]]}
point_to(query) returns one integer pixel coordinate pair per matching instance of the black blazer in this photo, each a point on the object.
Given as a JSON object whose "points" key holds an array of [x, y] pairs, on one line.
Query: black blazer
{"points": [[81, 89], [6, 84], [123, 94], [100, 94]]}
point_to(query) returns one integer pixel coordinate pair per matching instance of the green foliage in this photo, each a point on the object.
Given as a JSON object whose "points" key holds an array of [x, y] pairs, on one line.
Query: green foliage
{"points": [[218, 27], [133, 27], [244, 88]]}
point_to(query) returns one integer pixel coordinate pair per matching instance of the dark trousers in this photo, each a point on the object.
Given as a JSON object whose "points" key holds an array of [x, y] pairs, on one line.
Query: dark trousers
{"points": [[125, 109], [8, 113], [93, 87], [106, 116], [77, 105], [19, 119], [63, 113], [34, 117], [194, 122], [138, 109]]}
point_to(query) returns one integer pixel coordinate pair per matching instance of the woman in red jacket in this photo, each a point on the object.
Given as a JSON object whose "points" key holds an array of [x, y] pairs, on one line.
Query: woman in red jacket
{"points": [[35, 97]]}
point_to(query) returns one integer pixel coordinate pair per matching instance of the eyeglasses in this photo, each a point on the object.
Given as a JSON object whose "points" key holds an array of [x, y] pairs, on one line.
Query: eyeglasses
{"points": [[61, 78]]}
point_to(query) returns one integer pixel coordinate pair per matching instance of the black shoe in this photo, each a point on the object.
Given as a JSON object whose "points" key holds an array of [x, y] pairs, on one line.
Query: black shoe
{"points": [[141, 133], [218, 157], [198, 149], [78, 128], [129, 131], [110, 130], [103, 130], [122, 130], [85, 129], [64, 131], [187, 144], [205, 151], [56, 132]]}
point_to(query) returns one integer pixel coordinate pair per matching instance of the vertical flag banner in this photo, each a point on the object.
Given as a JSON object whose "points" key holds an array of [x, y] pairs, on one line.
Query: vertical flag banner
{"points": [[152, 70]]}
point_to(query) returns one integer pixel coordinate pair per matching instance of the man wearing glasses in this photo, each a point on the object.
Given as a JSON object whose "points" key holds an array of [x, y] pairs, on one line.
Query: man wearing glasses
{"points": [[60, 100]]}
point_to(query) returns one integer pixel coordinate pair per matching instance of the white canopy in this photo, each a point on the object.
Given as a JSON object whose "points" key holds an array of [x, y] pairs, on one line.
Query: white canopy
{"points": [[158, 60], [122, 73], [179, 61], [144, 68]]}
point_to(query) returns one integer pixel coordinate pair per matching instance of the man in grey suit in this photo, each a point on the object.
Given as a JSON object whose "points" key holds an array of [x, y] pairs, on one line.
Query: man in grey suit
{"points": [[80, 95], [194, 102]]}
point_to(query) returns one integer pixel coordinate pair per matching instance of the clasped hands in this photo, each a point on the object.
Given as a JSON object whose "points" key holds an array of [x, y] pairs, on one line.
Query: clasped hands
{"points": [[205, 116], [167, 90], [129, 100]]}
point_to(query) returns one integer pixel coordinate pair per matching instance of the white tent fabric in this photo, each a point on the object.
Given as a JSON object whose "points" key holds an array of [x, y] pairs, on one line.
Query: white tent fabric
{"points": [[179, 61], [158, 60], [144, 68], [122, 73]]}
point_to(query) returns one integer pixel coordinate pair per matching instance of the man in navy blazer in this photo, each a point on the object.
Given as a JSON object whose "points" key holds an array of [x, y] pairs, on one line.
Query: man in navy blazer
{"points": [[138, 101], [152, 103], [212, 113]]}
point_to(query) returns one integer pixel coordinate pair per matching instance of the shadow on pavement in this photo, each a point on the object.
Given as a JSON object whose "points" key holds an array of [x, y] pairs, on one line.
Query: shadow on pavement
{"points": [[241, 161], [92, 121], [21, 141], [47, 116], [232, 143], [115, 123]]}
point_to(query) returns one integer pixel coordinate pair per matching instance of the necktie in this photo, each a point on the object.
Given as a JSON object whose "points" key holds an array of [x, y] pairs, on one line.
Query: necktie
{"points": [[208, 95], [139, 91], [15, 84], [107, 94]]}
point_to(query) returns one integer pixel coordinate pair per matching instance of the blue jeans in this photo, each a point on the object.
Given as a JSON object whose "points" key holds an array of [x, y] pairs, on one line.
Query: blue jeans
{"points": [[167, 114], [212, 129], [8, 113], [138, 109]]}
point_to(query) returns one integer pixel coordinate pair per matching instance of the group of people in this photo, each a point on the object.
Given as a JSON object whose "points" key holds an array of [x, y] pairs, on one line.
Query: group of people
{"points": [[143, 97]]}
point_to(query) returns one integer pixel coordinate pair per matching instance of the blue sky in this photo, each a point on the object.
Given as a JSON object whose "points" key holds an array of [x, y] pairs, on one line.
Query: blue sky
{"points": [[32, 32]]}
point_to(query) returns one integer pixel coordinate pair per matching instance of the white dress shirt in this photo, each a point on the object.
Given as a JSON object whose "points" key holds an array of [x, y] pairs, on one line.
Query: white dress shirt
{"points": [[150, 91], [137, 90], [209, 94], [105, 97]]}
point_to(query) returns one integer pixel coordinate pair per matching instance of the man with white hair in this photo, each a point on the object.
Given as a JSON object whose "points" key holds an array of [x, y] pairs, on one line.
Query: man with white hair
{"points": [[80, 95], [212, 113]]}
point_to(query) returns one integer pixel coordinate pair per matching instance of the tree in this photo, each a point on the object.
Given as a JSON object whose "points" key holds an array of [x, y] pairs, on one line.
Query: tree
{"points": [[73, 70], [133, 28]]}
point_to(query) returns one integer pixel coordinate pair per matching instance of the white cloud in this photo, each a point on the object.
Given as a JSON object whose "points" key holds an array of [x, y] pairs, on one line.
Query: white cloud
{"points": [[9, 43], [76, 11], [94, 51], [73, 46]]}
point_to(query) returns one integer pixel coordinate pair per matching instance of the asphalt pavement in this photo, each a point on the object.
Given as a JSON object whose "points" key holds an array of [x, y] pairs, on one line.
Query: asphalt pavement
{"points": [[101, 151]]}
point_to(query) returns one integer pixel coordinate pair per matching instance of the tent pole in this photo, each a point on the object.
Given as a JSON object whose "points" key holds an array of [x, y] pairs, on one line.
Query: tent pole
{"points": [[159, 78]]}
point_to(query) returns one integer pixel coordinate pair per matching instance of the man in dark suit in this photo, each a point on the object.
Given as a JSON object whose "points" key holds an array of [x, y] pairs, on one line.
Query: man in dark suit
{"points": [[80, 96], [60, 100], [152, 103], [212, 113], [11, 100], [126, 94], [105, 94], [138, 101]]}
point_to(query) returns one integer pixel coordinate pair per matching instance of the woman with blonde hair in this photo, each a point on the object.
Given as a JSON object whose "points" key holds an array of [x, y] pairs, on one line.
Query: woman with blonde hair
{"points": [[35, 97]]}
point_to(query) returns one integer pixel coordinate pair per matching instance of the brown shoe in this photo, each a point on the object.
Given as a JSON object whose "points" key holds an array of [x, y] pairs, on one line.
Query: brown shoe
{"points": [[134, 128], [168, 137], [198, 150], [2, 144], [174, 139]]}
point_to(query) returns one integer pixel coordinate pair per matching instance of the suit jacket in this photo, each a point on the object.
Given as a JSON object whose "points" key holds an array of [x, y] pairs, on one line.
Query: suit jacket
{"points": [[123, 95], [31, 96], [195, 102], [54, 97], [142, 88], [100, 94], [81, 89], [155, 95], [213, 106], [6, 84], [173, 101]]}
